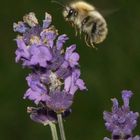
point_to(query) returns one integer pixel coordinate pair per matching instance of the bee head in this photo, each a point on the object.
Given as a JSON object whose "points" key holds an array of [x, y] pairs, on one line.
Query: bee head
{"points": [[69, 13]]}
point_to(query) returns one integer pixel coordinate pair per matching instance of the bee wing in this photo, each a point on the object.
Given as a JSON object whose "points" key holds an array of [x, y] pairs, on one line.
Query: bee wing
{"points": [[109, 12]]}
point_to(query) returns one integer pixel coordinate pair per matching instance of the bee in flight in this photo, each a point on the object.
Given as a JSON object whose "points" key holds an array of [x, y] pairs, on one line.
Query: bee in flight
{"points": [[86, 19]]}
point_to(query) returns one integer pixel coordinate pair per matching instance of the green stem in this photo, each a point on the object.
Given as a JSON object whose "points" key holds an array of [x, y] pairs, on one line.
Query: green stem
{"points": [[61, 127], [53, 130]]}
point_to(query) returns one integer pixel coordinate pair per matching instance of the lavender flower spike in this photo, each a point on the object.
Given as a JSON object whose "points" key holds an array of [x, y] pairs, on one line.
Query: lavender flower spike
{"points": [[55, 76], [121, 121]]}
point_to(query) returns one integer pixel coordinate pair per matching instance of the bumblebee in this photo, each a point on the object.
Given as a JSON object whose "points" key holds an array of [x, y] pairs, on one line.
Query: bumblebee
{"points": [[86, 19]]}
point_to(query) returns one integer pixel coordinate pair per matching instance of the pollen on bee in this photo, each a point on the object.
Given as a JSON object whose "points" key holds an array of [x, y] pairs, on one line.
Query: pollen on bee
{"points": [[81, 5]]}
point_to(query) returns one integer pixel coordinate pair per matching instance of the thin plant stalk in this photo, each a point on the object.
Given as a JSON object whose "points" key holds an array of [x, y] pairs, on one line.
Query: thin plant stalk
{"points": [[53, 130], [61, 127]]}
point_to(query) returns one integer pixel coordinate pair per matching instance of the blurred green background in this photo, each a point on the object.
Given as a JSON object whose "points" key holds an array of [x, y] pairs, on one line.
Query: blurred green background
{"points": [[113, 67]]}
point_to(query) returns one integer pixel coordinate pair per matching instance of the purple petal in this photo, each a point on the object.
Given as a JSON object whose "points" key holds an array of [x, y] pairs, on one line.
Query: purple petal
{"points": [[61, 40], [34, 82], [69, 51], [115, 104], [126, 95], [20, 27], [59, 101], [40, 55], [107, 116], [73, 59], [81, 85], [47, 21], [42, 115], [22, 51], [36, 95], [67, 83], [48, 36]]}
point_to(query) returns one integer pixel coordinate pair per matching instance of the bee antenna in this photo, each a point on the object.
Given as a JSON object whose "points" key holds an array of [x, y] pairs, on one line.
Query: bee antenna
{"points": [[54, 1]]}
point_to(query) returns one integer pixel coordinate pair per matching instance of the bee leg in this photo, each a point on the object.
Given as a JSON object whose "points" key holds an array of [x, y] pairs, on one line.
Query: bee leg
{"points": [[92, 44], [87, 40], [76, 31], [80, 32]]}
